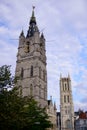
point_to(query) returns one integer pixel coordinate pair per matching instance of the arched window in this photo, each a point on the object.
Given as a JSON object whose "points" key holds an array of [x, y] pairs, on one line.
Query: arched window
{"points": [[22, 73], [66, 111], [64, 98], [40, 72], [68, 99], [27, 49], [31, 71], [31, 90], [20, 90], [68, 124], [44, 75], [68, 86], [65, 86], [40, 91], [44, 93]]}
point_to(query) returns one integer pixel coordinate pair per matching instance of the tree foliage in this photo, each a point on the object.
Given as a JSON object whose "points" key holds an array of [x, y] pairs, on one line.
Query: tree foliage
{"points": [[17, 112], [10, 106], [20, 113], [5, 76]]}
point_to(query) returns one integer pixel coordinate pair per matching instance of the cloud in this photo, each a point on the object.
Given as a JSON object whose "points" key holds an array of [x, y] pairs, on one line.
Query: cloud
{"points": [[8, 54], [64, 24]]}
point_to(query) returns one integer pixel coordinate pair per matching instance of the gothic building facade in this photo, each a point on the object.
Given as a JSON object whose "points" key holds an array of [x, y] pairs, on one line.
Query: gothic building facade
{"points": [[31, 64], [66, 104], [31, 75]]}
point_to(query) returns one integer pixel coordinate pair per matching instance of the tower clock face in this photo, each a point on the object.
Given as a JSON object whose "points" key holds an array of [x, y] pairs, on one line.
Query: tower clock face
{"points": [[26, 48]]}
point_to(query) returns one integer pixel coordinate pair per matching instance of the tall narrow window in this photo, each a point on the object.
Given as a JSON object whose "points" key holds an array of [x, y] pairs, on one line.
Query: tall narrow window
{"points": [[65, 87], [31, 90], [40, 91], [64, 98], [68, 124], [20, 90], [68, 99], [43, 75], [44, 92], [31, 71], [26, 47], [22, 73], [68, 86], [65, 111], [40, 72]]}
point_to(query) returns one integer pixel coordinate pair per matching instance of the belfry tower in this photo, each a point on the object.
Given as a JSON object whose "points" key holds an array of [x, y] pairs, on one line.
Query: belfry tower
{"points": [[66, 104], [31, 70]]}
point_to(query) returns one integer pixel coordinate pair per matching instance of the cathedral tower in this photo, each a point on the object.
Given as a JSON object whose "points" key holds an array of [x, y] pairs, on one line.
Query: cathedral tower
{"points": [[66, 104], [31, 70]]}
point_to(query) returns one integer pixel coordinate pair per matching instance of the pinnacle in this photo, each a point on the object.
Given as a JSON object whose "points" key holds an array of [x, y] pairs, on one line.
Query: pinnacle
{"points": [[33, 19]]}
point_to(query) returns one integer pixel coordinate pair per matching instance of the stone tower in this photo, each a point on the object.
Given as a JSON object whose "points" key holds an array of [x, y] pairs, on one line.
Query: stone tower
{"points": [[31, 70], [66, 104]]}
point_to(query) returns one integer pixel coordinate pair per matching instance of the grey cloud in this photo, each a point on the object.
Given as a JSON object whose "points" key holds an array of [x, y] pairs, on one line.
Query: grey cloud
{"points": [[65, 22]]}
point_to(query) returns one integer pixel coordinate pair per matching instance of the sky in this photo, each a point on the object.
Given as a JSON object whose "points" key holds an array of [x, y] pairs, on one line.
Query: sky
{"points": [[64, 24]]}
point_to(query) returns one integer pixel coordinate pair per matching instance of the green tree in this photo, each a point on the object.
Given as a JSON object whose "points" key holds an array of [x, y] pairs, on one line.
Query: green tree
{"points": [[17, 112], [5, 77], [10, 107], [20, 113], [36, 117]]}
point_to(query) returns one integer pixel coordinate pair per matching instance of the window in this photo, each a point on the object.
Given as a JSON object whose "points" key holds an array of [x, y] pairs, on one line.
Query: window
{"points": [[43, 75], [31, 90], [22, 73], [68, 124], [66, 111], [65, 86], [20, 90], [40, 91], [27, 49], [68, 86], [31, 71], [84, 121], [44, 94], [64, 99], [40, 72], [68, 99]]}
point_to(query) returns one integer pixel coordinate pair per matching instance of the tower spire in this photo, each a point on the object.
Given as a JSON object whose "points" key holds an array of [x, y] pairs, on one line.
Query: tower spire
{"points": [[68, 75], [33, 11], [33, 19], [32, 25]]}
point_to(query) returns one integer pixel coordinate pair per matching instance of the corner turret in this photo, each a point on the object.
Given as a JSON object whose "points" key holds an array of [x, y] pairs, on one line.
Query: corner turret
{"points": [[21, 39], [22, 34]]}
